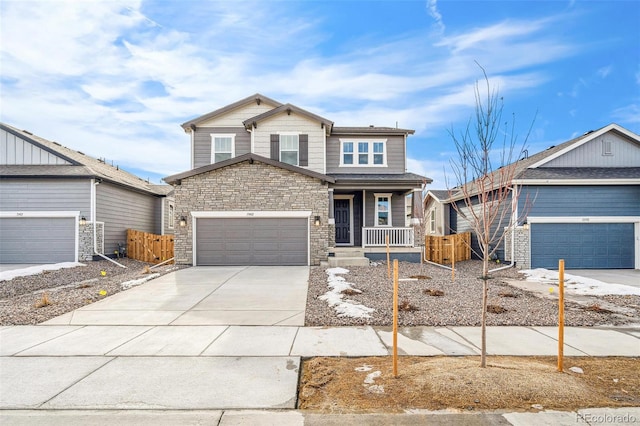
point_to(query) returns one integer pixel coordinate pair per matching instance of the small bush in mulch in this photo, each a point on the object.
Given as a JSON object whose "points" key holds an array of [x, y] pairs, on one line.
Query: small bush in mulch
{"points": [[597, 308], [495, 309], [432, 292], [507, 294], [420, 277], [43, 301], [406, 306], [350, 292]]}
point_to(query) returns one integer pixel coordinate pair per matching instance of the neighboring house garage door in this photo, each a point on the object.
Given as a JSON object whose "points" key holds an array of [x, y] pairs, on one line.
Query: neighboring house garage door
{"points": [[582, 245], [37, 240], [256, 241]]}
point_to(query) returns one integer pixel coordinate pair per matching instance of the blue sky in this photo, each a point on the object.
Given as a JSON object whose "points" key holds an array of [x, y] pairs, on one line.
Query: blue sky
{"points": [[115, 79]]}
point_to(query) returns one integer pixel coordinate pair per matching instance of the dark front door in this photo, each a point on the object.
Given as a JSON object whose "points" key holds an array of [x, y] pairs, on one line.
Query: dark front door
{"points": [[342, 217]]}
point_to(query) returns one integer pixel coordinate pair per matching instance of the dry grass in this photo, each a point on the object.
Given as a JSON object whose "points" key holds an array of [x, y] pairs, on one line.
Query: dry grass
{"points": [[496, 309], [434, 383], [44, 300], [406, 306], [432, 292], [597, 308], [350, 292]]}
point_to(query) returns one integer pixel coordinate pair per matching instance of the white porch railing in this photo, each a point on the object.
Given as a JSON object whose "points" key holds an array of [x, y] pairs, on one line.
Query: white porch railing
{"points": [[398, 237]]}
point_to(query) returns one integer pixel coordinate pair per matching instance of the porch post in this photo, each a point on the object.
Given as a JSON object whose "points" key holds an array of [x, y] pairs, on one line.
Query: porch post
{"points": [[331, 208], [416, 206]]}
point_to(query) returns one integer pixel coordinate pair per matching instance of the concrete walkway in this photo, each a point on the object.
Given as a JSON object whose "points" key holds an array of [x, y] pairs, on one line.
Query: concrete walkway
{"points": [[120, 361]]}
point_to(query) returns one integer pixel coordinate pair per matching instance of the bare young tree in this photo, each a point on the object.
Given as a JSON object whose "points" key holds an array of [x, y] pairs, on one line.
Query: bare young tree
{"points": [[484, 168]]}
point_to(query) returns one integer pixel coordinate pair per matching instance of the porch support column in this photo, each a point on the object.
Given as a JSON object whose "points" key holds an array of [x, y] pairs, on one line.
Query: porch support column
{"points": [[416, 206], [332, 219]]}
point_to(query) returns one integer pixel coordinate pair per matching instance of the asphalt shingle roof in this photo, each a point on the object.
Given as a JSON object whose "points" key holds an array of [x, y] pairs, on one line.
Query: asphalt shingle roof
{"points": [[85, 166]]}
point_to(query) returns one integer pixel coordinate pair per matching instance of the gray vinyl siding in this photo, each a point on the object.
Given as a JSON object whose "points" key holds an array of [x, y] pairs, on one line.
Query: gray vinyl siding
{"points": [[395, 155], [121, 209], [15, 150], [397, 208], [624, 153], [596, 200], [460, 225], [46, 195], [202, 143]]}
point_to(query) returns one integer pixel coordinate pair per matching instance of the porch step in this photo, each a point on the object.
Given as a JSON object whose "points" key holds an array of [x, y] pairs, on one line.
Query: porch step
{"points": [[348, 252], [340, 261]]}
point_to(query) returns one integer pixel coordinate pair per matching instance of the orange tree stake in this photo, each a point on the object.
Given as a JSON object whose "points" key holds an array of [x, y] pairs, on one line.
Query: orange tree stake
{"points": [[453, 260], [560, 314], [395, 318]]}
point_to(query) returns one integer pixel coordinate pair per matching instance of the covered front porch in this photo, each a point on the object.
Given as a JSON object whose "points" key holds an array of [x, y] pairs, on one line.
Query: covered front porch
{"points": [[370, 218]]}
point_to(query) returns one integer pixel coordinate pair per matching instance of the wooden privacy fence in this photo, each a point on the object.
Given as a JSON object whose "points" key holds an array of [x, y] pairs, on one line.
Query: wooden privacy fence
{"points": [[439, 250], [147, 247]]}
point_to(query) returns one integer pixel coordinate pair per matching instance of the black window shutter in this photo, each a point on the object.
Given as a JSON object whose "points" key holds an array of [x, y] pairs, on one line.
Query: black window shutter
{"points": [[303, 146], [275, 147]]}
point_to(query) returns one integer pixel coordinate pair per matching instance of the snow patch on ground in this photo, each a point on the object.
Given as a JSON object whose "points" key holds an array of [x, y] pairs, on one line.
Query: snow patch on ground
{"points": [[38, 269], [579, 285], [128, 284], [335, 298]]}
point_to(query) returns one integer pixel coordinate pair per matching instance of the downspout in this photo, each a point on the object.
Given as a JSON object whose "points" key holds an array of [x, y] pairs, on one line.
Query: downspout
{"points": [[95, 183]]}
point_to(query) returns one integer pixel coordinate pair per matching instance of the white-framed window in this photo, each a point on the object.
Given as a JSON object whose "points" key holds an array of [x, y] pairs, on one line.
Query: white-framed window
{"points": [[290, 148], [347, 153], [607, 148], [432, 221], [172, 215], [222, 147], [383, 210], [363, 153]]}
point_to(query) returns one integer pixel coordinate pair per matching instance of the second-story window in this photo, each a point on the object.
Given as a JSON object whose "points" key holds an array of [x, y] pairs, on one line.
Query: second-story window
{"points": [[222, 147], [289, 149], [363, 153]]}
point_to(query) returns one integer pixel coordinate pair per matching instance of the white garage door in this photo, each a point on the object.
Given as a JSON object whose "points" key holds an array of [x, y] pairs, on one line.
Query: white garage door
{"points": [[37, 240], [255, 241]]}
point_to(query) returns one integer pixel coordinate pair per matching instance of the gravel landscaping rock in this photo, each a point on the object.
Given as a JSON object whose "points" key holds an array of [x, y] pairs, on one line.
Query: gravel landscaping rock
{"points": [[438, 301], [67, 289]]}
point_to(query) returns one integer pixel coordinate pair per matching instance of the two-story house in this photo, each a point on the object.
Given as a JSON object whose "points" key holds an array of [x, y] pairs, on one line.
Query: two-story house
{"points": [[272, 183]]}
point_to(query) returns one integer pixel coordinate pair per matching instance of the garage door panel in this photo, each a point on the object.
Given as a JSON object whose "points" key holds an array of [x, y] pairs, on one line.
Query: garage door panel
{"points": [[252, 241], [582, 245], [37, 240]]}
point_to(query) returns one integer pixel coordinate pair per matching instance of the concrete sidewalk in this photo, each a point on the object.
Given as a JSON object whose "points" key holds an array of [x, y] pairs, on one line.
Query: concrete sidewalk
{"points": [[232, 367]]}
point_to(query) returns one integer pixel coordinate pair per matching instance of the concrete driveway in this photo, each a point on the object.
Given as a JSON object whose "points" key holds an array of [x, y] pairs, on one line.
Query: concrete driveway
{"points": [[611, 276], [205, 295]]}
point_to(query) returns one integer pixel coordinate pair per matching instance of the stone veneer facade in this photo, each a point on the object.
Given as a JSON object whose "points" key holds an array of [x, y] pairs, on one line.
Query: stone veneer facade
{"points": [[253, 186], [85, 241], [522, 257]]}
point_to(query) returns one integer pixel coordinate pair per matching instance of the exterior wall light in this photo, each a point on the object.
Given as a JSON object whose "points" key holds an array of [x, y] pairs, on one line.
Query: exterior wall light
{"points": [[525, 226], [83, 221], [316, 221], [183, 222]]}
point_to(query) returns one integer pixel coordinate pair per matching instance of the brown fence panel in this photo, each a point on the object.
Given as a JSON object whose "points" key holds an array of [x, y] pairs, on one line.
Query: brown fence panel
{"points": [[149, 248], [438, 249]]}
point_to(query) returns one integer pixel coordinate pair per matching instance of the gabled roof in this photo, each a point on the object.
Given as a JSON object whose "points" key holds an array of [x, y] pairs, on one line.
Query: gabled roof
{"points": [[82, 166], [173, 179], [371, 130], [587, 137], [257, 98], [288, 108], [529, 169], [439, 195]]}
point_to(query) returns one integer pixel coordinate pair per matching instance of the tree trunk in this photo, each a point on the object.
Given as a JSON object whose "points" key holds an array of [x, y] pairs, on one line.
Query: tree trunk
{"points": [[485, 295]]}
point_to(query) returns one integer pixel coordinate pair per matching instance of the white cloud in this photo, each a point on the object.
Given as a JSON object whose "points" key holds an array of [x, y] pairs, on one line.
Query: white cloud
{"points": [[604, 71]]}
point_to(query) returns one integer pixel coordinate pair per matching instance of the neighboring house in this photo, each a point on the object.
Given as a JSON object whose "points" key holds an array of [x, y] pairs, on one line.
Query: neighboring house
{"points": [[579, 201], [51, 195], [436, 213], [272, 183]]}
